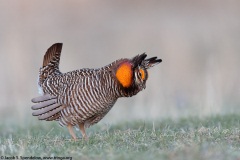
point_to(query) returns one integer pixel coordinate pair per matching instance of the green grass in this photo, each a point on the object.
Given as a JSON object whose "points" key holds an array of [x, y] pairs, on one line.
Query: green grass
{"points": [[216, 137]]}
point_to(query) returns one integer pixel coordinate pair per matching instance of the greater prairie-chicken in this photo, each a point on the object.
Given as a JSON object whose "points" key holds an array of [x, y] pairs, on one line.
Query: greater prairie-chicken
{"points": [[83, 97]]}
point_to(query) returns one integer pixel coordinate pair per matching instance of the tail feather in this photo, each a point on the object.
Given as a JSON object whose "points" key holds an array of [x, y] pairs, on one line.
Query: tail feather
{"points": [[47, 107], [50, 63], [53, 55]]}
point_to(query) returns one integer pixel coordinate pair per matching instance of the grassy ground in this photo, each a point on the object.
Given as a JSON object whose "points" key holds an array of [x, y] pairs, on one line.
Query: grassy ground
{"points": [[216, 137]]}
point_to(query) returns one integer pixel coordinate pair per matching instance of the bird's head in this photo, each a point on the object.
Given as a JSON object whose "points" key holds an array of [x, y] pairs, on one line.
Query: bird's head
{"points": [[132, 74]]}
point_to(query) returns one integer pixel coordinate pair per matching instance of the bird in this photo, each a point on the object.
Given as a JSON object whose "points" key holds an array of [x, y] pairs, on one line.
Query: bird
{"points": [[82, 97]]}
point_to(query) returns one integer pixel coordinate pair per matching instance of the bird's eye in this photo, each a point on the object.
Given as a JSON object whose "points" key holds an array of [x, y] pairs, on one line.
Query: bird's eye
{"points": [[141, 74]]}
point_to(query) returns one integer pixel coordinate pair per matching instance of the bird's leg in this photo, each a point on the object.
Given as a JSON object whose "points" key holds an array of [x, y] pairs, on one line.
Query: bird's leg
{"points": [[70, 129], [82, 129]]}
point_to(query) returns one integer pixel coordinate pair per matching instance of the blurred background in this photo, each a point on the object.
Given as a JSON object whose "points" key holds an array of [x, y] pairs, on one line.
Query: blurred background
{"points": [[198, 41]]}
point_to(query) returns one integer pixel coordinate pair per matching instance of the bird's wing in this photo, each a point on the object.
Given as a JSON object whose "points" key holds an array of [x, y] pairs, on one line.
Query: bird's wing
{"points": [[58, 91], [47, 107]]}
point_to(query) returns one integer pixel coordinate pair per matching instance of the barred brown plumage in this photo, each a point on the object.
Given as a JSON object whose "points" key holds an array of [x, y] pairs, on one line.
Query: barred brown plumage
{"points": [[83, 97]]}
